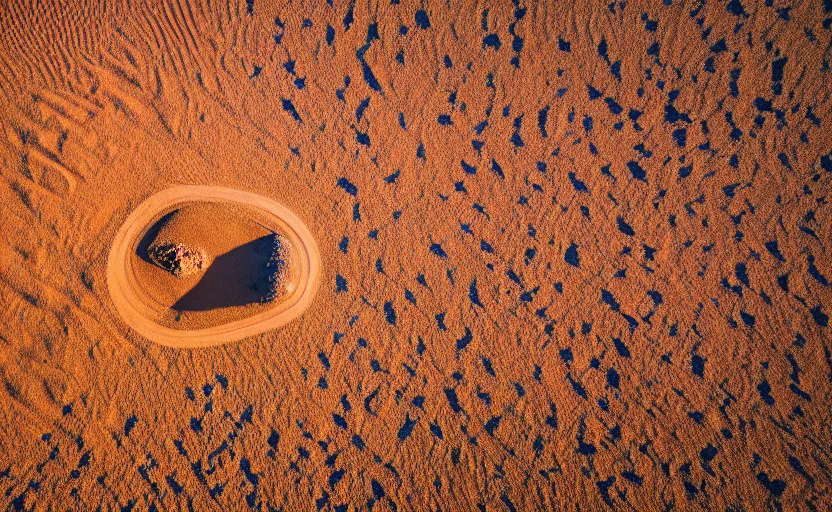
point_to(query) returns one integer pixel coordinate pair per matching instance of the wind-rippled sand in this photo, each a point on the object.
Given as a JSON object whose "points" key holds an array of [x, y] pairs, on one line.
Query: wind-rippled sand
{"points": [[574, 254]]}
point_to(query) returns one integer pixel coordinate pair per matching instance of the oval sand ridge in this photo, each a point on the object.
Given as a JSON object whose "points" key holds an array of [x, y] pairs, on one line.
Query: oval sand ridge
{"points": [[138, 308]]}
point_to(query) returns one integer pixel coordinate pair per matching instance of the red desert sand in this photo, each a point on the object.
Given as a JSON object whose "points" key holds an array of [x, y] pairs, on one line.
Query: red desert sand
{"points": [[572, 255], [261, 272]]}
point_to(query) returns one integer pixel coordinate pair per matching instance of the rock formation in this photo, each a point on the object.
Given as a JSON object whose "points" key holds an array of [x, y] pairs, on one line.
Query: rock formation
{"points": [[177, 258], [274, 280]]}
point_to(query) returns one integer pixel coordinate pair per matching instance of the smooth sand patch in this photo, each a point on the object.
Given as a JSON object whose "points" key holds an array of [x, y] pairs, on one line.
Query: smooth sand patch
{"points": [[220, 304], [236, 281]]}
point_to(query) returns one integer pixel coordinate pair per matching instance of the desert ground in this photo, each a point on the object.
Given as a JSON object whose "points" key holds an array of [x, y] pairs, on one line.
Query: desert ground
{"points": [[572, 255]]}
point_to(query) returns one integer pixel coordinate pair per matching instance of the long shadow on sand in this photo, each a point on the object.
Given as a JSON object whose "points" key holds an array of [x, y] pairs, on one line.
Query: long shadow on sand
{"points": [[234, 279]]}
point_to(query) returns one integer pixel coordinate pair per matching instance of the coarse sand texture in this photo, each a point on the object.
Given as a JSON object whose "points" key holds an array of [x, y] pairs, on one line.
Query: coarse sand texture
{"points": [[416, 255]]}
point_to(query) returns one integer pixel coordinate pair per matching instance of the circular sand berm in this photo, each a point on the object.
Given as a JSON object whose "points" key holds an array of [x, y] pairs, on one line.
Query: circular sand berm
{"points": [[137, 309]]}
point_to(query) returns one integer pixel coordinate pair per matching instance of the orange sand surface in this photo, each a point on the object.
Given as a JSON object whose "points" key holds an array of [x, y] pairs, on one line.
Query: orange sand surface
{"points": [[234, 244], [571, 255], [228, 237], [234, 230]]}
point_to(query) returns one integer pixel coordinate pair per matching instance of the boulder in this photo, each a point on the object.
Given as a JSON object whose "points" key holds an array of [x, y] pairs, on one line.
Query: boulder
{"points": [[275, 278], [177, 258]]}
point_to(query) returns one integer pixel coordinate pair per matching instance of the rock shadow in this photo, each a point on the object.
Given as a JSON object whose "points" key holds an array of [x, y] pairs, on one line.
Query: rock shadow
{"points": [[236, 278]]}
